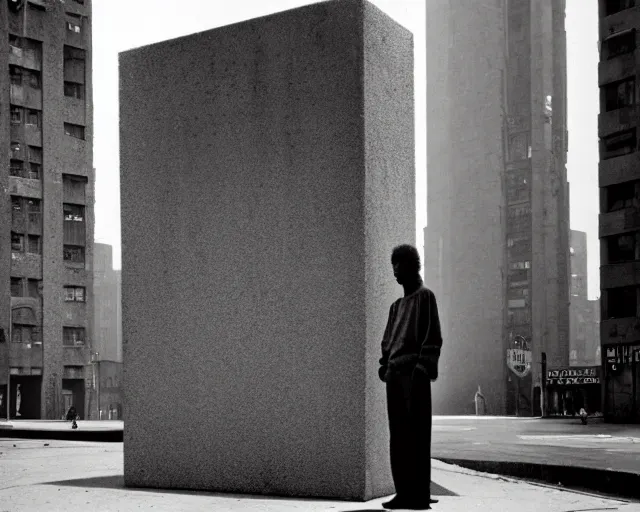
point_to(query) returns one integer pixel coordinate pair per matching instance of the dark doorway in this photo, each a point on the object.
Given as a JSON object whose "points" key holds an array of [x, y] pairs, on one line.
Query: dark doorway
{"points": [[537, 401], [26, 396], [76, 389]]}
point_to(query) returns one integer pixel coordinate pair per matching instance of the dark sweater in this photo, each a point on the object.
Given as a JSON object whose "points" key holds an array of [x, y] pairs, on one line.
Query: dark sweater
{"points": [[412, 339]]}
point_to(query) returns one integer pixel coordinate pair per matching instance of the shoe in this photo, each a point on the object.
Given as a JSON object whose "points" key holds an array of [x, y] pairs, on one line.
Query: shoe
{"points": [[408, 504]]}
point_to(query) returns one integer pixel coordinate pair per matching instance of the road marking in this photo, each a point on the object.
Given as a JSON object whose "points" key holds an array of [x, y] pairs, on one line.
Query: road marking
{"points": [[581, 437], [452, 428]]}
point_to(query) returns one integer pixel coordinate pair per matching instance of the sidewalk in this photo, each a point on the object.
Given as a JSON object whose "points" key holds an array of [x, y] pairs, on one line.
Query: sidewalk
{"points": [[62, 475]]}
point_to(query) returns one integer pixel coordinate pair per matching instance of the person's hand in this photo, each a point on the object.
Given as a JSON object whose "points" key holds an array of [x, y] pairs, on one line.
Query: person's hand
{"points": [[382, 372]]}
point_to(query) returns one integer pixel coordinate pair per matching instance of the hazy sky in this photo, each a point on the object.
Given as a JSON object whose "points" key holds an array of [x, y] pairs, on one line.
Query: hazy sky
{"points": [[150, 21]]}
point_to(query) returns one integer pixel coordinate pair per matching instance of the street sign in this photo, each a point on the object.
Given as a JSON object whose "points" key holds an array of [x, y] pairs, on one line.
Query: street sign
{"points": [[519, 361]]}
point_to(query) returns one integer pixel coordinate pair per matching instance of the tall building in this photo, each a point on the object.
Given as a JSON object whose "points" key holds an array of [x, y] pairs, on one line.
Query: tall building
{"points": [[619, 181], [107, 346], [497, 240], [46, 207], [583, 339], [107, 314]]}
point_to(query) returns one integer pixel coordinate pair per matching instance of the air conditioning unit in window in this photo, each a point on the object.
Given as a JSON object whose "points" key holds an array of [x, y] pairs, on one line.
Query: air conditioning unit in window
{"points": [[15, 5]]}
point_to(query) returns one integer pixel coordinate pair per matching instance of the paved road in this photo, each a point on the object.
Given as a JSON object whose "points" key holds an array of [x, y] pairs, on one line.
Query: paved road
{"points": [[563, 442]]}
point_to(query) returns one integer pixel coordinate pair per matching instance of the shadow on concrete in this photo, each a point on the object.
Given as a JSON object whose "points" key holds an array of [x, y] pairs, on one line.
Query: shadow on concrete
{"points": [[615, 483], [99, 436], [117, 482]]}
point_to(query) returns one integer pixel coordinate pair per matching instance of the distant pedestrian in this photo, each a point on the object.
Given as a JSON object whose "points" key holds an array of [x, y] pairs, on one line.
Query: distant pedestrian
{"points": [[71, 414], [410, 352], [583, 416]]}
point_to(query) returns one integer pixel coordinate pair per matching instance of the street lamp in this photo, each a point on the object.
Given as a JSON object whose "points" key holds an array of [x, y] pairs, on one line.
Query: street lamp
{"points": [[96, 381]]}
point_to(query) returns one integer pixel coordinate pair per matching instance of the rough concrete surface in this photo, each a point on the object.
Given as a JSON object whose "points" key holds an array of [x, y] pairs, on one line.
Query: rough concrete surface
{"points": [[267, 172], [88, 476]]}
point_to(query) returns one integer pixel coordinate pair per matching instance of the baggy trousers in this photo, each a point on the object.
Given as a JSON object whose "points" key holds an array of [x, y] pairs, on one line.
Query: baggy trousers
{"points": [[409, 410]]}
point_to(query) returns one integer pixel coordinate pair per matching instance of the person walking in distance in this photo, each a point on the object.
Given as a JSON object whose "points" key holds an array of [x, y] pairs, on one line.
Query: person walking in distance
{"points": [[410, 351]]}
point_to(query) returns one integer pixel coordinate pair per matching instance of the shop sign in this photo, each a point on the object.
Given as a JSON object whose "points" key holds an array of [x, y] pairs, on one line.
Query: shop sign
{"points": [[519, 361], [573, 376]]}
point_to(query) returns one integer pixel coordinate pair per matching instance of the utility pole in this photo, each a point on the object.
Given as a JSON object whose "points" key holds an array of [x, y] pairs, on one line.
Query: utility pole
{"points": [[543, 386]]}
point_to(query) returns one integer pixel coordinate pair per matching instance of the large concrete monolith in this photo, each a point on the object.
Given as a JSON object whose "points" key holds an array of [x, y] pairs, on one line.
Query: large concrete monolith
{"points": [[267, 172]]}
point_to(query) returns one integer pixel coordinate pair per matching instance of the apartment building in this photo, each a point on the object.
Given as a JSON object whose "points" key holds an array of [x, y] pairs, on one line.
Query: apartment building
{"points": [[46, 207], [584, 341], [497, 240], [619, 181], [107, 346]]}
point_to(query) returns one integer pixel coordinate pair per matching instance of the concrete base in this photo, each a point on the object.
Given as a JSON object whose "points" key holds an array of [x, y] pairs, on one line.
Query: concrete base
{"points": [[267, 172]]}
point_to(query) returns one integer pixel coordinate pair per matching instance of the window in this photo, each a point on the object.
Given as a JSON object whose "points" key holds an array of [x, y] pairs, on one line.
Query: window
{"points": [[620, 94], [620, 43], [72, 27], [33, 117], [74, 130], [33, 205], [72, 336], [518, 278], [614, 6], [35, 171], [519, 146], [33, 287], [16, 75], [519, 245], [37, 7], [16, 115], [73, 254], [34, 212], [622, 248], [16, 203], [16, 287], [74, 65], [73, 212], [519, 218], [16, 149], [519, 316], [16, 168], [74, 294], [32, 78], [17, 242], [517, 186], [622, 302], [21, 333], [621, 196], [34, 244], [74, 90], [35, 154], [73, 188], [28, 49], [618, 144], [519, 265]]}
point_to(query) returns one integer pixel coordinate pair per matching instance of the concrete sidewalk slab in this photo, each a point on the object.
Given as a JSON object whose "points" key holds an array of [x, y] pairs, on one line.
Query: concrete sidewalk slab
{"points": [[71, 475]]}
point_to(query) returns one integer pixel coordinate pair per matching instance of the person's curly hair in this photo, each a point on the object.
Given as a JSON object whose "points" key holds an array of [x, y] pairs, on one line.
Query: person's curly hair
{"points": [[408, 254]]}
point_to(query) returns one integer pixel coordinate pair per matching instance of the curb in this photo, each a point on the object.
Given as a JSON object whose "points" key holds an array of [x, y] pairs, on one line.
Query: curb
{"points": [[618, 483], [102, 436]]}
